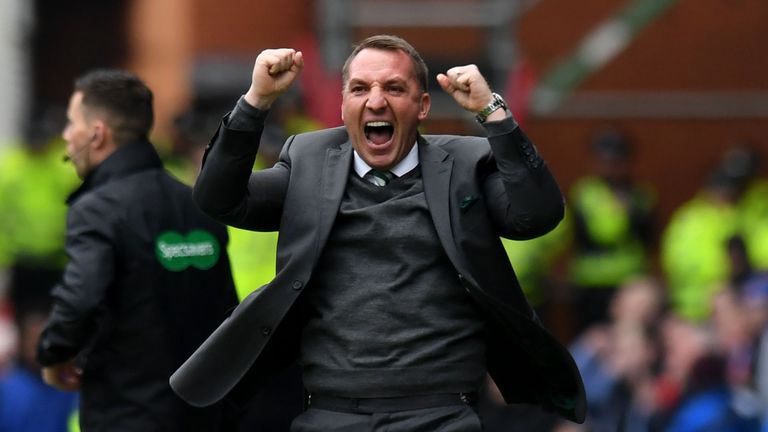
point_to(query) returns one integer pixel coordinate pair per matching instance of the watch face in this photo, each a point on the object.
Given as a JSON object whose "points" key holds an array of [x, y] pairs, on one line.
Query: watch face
{"points": [[495, 104]]}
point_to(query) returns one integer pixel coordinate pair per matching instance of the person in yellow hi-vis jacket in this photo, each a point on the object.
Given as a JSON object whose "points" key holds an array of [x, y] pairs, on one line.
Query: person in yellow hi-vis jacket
{"points": [[34, 183], [611, 219], [698, 245]]}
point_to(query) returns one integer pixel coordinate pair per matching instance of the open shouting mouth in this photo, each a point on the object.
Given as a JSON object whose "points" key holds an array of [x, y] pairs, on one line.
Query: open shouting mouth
{"points": [[379, 133]]}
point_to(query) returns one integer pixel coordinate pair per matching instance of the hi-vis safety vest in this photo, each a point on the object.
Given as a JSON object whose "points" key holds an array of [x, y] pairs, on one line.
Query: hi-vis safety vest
{"points": [[616, 252], [753, 214], [33, 190], [694, 254]]}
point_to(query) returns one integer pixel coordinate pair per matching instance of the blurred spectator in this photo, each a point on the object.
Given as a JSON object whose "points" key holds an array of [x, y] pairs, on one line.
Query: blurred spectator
{"points": [[640, 300], [754, 298], [27, 404], [700, 247], [702, 368], [733, 336], [618, 359], [682, 344], [34, 184], [706, 404], [146, 280], [612, 218], [748, 249]]}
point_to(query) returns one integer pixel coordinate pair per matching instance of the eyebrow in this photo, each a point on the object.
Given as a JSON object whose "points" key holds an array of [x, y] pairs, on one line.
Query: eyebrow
{"points": [[395, 80]]}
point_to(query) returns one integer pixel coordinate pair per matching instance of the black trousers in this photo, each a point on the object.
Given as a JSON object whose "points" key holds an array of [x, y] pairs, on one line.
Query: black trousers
{"points": [[455, 418]]}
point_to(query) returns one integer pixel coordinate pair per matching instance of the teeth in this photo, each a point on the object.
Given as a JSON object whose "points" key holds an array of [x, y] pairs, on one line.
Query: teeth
{"points": [[378, 124]]}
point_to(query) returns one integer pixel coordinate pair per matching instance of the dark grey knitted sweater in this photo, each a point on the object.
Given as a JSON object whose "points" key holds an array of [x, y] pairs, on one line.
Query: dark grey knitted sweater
{"points": [[389, 317]]}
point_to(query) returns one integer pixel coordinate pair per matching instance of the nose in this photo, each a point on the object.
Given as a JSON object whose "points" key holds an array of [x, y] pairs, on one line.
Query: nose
{"points": [[376, 100], [65, 133]]}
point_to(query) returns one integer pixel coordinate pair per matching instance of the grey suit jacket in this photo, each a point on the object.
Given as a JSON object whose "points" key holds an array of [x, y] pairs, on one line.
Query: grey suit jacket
{"points": [[477, 189]]}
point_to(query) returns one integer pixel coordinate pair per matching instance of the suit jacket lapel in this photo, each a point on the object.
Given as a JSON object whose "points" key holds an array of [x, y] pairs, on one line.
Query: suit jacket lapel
{"points": [[436, 168], [336, 171]]}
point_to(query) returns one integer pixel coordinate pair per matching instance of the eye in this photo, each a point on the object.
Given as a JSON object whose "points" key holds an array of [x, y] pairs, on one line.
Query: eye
{"points": [[357, 89], [395, 89]]}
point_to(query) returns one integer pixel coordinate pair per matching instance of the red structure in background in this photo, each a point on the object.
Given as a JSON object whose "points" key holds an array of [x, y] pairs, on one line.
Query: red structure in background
{"points": [[320, 89], [519, 86]]}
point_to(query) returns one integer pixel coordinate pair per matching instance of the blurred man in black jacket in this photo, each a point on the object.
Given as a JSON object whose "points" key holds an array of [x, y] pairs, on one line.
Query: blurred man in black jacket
{"points": [[148, 276]]}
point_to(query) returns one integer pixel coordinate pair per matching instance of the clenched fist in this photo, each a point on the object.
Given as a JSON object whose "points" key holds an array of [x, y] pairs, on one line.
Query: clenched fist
{"points": [[273, 72]]}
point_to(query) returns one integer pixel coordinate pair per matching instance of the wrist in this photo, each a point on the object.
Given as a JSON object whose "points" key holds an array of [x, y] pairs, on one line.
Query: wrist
{"points": [[495, 110], [257, 101]]}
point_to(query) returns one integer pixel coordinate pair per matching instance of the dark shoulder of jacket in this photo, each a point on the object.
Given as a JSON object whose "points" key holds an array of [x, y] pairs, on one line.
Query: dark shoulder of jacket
{"points": [[331, 137], [461, 145], [183, 190]]}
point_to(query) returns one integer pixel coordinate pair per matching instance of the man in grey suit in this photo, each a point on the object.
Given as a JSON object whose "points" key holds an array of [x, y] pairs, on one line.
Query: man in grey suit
{"points": [[393, 290]]}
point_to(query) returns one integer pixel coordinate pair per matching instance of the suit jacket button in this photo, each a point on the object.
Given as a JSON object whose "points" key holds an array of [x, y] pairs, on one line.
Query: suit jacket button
{"points": [[297, 285], [266, 331]]}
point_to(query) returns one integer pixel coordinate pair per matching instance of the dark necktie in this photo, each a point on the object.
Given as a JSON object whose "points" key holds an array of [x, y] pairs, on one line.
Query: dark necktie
{"points": [[379, 178]]}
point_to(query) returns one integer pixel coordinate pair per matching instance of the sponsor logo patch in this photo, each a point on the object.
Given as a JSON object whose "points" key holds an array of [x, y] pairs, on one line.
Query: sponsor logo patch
{"points": [[177, 252]]}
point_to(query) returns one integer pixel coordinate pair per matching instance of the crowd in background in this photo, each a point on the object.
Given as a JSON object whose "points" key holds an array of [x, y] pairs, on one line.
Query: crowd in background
{"points": [[667, 323]]}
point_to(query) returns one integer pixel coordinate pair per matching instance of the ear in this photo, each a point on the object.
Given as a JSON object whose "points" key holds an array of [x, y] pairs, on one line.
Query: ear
{"points": [[424, 105], [99, 134]]}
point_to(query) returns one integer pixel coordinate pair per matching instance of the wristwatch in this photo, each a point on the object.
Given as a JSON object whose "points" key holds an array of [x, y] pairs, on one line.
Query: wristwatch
{"points": [[496, 103]]}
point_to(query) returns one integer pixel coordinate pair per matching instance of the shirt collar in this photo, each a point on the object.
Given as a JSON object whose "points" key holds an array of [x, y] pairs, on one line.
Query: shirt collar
{"points": [[409, 162]]}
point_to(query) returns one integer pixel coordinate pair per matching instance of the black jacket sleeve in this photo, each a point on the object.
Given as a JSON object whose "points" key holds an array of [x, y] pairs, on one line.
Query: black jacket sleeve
{"points": [[77, 298]]}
